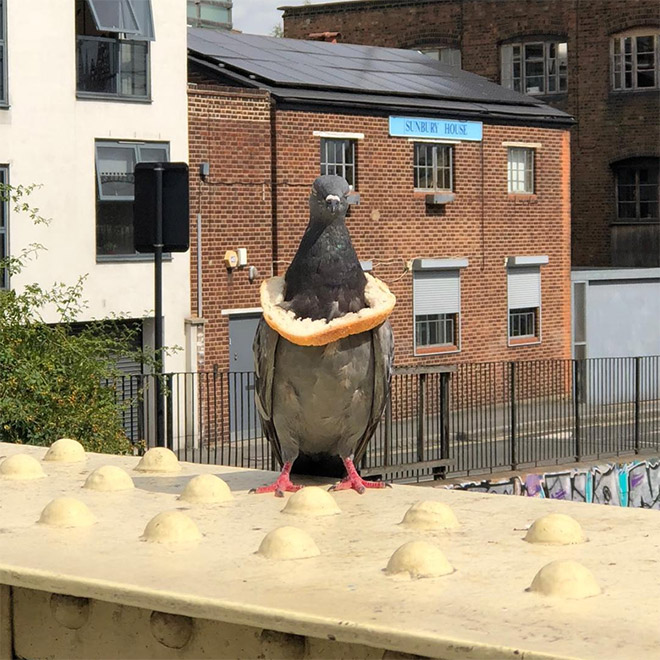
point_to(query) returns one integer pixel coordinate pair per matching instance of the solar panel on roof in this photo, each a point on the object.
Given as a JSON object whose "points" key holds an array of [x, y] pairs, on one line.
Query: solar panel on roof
{"points": [[353, 69]]}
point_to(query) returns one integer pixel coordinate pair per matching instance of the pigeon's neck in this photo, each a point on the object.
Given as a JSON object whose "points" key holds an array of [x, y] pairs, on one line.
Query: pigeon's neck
{"points": [[325, 279]]}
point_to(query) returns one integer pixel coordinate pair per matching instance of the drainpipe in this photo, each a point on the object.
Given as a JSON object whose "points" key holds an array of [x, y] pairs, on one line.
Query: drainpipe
{"points": [[273, 188]]}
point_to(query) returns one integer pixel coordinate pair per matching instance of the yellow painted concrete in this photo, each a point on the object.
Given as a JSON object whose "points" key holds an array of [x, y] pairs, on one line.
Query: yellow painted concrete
{"points": [[342, 597]]}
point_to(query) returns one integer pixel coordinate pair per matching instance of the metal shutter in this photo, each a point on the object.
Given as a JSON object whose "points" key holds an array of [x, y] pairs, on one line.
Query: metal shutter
{"points": [[524, 287], [437, 292]]}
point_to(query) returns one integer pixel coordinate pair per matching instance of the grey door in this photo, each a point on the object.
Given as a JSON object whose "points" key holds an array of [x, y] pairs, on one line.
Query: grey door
{"points": [[243, 417]]}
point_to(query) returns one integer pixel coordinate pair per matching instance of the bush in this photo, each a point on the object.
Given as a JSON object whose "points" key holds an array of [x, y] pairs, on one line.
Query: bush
{"points": [[57, 380]]}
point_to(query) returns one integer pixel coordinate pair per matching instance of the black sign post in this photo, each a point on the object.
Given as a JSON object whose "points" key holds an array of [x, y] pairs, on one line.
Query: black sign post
{"points": [[160, 224]]}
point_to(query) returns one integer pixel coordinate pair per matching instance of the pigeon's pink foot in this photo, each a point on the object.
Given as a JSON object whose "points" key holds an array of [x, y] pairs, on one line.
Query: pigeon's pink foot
{"points": [[281, 485], [354, 481]]}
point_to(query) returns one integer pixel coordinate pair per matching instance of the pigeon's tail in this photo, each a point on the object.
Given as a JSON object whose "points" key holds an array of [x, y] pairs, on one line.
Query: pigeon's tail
{"points": [[319, 465]]}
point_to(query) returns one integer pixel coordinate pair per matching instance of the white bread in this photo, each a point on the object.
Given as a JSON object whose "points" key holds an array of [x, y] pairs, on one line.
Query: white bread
{"points": [[305, 332]]}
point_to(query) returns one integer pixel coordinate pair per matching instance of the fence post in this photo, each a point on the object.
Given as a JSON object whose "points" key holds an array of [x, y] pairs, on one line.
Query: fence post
{"points": [[388, 430], [513, 421], [420, 417], [170, 415], [577, 394], [637, 403], [441, 472]]}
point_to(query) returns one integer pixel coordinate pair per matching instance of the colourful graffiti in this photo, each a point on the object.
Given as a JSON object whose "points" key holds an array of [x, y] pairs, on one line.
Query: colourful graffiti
{"points": [[634, 484]]}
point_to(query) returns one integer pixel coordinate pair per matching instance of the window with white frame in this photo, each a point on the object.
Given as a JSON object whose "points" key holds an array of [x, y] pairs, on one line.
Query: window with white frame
{"points": [[112, 48], [4, 226], [535, 67], [3, 53], [437, 306], [338, 157], [520, 170], [635, 61], [524, 296], [432, 166], [637, 189], [449, 56], [115, 192]]}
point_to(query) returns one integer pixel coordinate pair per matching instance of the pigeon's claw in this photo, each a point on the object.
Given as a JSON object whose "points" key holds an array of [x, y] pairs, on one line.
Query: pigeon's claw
{"points": [[281, 485], [353, 481]]}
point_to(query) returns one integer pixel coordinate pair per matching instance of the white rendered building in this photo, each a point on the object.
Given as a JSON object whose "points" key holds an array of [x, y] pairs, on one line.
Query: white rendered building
{"points": [[88, 88]]}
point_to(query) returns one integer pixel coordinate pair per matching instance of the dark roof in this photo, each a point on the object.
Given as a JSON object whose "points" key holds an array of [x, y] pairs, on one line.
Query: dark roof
{"points": [[313, 72]]}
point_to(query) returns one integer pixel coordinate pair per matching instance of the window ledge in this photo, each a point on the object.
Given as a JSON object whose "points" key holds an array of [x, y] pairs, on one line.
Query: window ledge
{"points": [[354, 199], [633, 223], [89, 96], [634, 92], [439, 198], [523, 198], [423, 351], [523, 341], [551, 96], [129, 258]]}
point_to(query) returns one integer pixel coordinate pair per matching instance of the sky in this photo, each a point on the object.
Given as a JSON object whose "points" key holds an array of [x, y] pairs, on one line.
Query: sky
{"points": [[261, 16]]}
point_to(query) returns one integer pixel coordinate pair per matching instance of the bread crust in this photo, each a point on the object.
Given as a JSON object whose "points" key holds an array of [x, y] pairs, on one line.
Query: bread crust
{"points": [[305, 332]]}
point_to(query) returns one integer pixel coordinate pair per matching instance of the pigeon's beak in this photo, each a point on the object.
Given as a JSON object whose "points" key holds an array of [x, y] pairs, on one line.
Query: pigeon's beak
{"points": [[333, 202]]}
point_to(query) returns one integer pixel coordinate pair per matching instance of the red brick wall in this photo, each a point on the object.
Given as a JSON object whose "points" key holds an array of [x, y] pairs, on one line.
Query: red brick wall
{"points": [[611, 125], [229, 129], [391, 226]]}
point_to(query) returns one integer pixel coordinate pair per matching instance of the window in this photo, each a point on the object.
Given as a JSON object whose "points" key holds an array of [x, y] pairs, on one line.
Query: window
{"points": [[115, 164], [637, 190], [112, 48], [4, 243], [538, 67], [449, 56], [433, 166], [338, 157], [524, 294], [209, 13], [520, 170], [436, 302], [3, 53], [635, 62]]}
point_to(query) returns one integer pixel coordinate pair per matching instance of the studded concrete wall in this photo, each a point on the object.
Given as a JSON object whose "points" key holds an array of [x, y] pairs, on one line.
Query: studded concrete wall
{"points": [[119, 556]]}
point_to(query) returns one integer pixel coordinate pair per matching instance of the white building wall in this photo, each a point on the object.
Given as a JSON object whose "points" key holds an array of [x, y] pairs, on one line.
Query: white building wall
{"points": [[47, 137], [620, 314]]}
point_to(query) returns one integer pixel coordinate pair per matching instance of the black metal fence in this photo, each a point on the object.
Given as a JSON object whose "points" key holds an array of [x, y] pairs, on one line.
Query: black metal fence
{"points": [[439, 421]]}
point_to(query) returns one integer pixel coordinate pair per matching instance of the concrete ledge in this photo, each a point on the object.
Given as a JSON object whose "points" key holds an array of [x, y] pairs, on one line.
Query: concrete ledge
{"points": [[481, 611]]}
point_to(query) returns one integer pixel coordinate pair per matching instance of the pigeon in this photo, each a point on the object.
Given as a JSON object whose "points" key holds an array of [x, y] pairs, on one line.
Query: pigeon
{"points": [[319, 404]]}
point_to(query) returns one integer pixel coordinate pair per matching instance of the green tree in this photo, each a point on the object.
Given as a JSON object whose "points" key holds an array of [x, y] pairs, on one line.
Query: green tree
{"points": [[57, 380]]}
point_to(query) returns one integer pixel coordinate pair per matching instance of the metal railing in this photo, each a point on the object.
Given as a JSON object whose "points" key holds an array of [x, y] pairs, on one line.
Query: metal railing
{"points": [[439, 421]]}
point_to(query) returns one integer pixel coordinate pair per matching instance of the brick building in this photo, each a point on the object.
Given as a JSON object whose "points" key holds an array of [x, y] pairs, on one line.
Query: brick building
{"points": [[461, 193], [598, 60]]}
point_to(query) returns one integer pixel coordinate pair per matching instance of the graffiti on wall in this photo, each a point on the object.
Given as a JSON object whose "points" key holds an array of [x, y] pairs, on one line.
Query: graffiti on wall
{"points": [[634, 484]]}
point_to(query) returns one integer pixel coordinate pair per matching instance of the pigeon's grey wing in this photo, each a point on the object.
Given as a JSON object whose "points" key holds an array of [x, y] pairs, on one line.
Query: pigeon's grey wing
{"points": [[264, 348], [382, 341]]}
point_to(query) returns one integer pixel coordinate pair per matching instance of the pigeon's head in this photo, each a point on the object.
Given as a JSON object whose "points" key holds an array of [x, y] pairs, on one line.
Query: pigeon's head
{"points": [[329, 198]]}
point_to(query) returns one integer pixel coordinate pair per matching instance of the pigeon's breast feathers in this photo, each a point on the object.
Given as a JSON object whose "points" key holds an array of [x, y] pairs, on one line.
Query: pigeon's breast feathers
{"points": [[325, 279]]}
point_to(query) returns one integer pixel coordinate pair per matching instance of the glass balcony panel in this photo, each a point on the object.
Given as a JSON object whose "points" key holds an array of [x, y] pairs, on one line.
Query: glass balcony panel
{"points": [[97, 65]]}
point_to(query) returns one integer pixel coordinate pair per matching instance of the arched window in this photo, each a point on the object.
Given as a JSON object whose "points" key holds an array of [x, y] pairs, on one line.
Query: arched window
{"points": [[535, 66], [635, 60], [444, 55], [637, 191]]}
